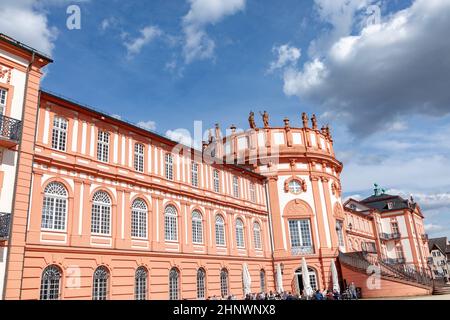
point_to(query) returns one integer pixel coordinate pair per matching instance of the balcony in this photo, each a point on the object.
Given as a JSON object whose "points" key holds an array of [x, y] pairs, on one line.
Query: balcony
{"points": [[394, 261], [390, 236], [5, 220], [302, 251], [10, 131]]}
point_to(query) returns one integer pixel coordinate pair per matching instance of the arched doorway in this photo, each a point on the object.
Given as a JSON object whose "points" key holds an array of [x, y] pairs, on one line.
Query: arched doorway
{"points": [[297, 285]]}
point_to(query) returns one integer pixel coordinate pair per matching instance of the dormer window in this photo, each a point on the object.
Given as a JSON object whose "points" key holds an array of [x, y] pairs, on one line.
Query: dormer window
{"points": [[390, 205]]}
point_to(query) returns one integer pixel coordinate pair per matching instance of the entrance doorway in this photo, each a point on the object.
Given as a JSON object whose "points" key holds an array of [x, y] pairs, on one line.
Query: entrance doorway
{"points": [[297, 285]]}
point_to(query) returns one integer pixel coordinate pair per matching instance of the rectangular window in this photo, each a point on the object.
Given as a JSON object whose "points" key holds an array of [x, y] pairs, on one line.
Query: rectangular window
{"points": [[340, 233], [216, 181], [169, 166], [103, 146], [139, 157], [399, 252], [59, 134], [194, 174], [394, 226], [252, 192], [300, 232], [235, 187], [3, 96]]}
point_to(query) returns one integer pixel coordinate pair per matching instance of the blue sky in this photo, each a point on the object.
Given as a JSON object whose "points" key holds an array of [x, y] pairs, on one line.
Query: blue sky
{"points": [[382, 85]]}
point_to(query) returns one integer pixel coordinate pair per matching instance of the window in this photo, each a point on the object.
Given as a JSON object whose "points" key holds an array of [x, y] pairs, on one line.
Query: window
{"points": [[220, 231], [139, 219], [3, 99], [101, 213], [216, 181], [224, 283], [103, 146], [394, 226], [235, 187], [295, 186], [169, 166], [399, 252], [50, 283], [300, 233], [194, 174], [139, 157], [54, 209], [312, 277], [174, 287], [197, 227], [140, 279], [340, 233], [100, 284], [201, 283], [257, 235], [252, 192], [262, 280], [59, 134], [240, 233], [170, 223]]}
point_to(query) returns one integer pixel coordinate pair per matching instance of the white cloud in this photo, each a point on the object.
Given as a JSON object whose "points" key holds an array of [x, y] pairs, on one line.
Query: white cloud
{"points": [[286, 55], [198, 45], [385, 71], [429, 227], [108, 23], [182, 136], [148, 34], [148, 125]]}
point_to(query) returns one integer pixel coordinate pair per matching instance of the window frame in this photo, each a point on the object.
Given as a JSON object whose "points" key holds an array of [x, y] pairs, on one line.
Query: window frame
{"points": [[197, 227], [194, 174], [55, 198], [101, 205], [236, 192], [4, 105], [240, 233], [139, 216], [168, 166], [171, 219], [257, 236], [220, 226], [47, 286], [139, 157], [141, 289], [174, 295], [216, 181], [201, 283], [301, 237], [59, 133], [106, 274], [103, 140]]}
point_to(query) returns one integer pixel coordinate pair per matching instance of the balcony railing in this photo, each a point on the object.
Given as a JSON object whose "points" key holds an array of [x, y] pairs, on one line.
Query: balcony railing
{"points": [[300, 251], [5, 221], [10, 131], [394, 261], [390, 236]]}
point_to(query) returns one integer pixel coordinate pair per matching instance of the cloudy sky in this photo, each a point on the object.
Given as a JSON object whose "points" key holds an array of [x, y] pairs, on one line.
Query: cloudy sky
{"points": [[378, 71]]}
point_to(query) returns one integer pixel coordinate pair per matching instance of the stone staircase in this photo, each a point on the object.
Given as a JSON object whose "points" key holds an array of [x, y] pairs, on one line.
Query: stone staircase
{"points": [[441, 288]]}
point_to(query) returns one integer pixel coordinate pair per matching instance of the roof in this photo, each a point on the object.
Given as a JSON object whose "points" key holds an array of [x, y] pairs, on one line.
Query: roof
{"points": [[447, 251], [440, 243], [380, 202], [25, 47], [70, 102]]}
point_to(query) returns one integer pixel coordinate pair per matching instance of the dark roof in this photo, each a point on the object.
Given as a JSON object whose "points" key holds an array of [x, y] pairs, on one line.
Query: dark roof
{"points": [[23, 46], [440, 243], [447, 251], [380, 202]]}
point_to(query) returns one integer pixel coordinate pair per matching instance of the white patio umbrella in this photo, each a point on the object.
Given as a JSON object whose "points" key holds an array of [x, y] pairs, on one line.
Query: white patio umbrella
{"points": [[334, 276], [305, 277], [279, 279], [246, 279]]}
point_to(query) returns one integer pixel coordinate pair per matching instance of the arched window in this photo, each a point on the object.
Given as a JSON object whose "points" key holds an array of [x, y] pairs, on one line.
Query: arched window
{"points": [[216, 180], [100, 284], [174, 288], [139, 219], [257, 235], [169, 166], [170, 223], [50, 283], [197, 227], [220, 231], [240, 234], [312, 277], [54, 209], [59, 134], [262, 280], [101, 213], [140, 278], [224, 283], [201, 275]]}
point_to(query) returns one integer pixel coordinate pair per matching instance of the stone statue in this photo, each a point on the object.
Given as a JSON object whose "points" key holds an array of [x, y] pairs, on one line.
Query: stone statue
{"points": [[210, 136], [265, 117], [217, 132], [305, 120], [251, 120], [314, 122]]}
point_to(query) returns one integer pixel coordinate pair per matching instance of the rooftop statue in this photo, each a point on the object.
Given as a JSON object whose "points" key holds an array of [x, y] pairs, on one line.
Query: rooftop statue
{"points": [[314, 122], [251, 120], [305, 120], [265, 117], [217, 132]]}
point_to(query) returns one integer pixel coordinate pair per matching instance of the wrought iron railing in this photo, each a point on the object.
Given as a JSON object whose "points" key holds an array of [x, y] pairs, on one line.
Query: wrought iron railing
{"points": [[394, 260], [299, 251], [10, 128], [5, 221], [390, 236]]}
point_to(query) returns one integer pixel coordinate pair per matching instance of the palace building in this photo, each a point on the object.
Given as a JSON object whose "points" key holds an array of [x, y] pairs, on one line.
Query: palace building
{"points": [[94, 207]]}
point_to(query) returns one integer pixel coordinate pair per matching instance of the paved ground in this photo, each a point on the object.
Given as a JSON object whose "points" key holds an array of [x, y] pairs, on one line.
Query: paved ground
{"points": [[441, 297]]}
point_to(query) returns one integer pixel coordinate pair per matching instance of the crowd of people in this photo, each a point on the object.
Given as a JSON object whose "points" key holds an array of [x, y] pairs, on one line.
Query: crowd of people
{"points": [[350, 293]]}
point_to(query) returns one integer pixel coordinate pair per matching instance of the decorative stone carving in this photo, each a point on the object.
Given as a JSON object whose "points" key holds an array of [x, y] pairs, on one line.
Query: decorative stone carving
{"points": [[314, 122], [265, 118], [251, 120], [305, 120], [336, 189], [303, 185], [298, 208]]}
